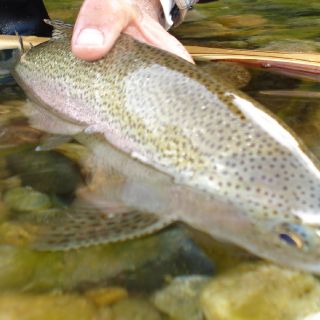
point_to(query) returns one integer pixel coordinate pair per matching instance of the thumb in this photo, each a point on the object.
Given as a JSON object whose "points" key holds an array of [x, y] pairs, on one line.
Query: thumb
{"points": [[98, 25]]}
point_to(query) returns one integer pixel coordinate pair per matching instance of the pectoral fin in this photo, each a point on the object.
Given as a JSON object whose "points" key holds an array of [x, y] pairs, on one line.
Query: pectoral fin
{"points": [[113, 206], [85, 226]]}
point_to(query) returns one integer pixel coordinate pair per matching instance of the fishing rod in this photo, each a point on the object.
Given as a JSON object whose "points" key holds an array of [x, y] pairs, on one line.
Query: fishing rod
{"points": [[305, 63], [12, 42]]}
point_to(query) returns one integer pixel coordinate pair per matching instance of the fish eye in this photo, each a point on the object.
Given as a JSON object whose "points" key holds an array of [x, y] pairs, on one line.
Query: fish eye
{"points": [[295, 235], [291, 239]]}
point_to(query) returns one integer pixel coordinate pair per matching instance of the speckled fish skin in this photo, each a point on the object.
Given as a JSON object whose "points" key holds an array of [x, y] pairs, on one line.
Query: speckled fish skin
{"points": [[234, 170]]}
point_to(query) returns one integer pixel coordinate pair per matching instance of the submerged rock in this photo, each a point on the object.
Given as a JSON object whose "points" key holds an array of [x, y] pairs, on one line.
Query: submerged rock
{"points": [[14, 234], [11, 109], [19, 134], [106, 296], [45, 306], [48, 172], [17, 267], [4, 212], [225, 255], [200, 30], [178, 255], [26, 200], [313, 316], [10, 183], [293, 45], [243, 20], [131, 309], [140, 264], [261, 291], [180, 299]]}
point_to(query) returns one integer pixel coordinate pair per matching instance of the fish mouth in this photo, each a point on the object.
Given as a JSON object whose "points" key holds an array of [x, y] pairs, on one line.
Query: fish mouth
{"points": [[289, 244], [300, 264]]}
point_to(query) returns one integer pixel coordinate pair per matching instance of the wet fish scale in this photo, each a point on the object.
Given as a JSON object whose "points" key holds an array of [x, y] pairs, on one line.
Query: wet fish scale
{"points": [[223, 163]]}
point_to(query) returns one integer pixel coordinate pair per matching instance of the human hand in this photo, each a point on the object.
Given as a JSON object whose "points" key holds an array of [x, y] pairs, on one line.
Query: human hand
{"points": [[100, 22]]}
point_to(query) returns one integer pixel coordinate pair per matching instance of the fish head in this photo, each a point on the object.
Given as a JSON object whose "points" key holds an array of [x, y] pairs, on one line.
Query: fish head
{"points": [[272, 209], [292, 242], [284, 226]]}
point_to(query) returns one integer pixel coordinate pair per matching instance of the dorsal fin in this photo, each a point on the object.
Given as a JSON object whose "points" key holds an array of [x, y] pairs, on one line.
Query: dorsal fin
{"points": [[61, 29]]}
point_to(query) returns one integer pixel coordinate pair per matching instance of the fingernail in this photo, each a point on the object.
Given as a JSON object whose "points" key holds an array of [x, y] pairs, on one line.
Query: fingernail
{"points": [[90, 37]]}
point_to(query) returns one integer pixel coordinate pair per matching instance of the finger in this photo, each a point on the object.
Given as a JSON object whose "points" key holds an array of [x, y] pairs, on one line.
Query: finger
{"points": [[98, 25], [150, 31]]}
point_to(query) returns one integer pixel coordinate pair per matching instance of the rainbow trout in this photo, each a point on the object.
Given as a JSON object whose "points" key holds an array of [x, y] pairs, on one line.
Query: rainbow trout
{"points": [[175, 145]]}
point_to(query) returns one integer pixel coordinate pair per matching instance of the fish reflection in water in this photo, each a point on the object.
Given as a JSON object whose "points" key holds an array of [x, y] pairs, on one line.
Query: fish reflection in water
{"points": [[171, 143]]}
